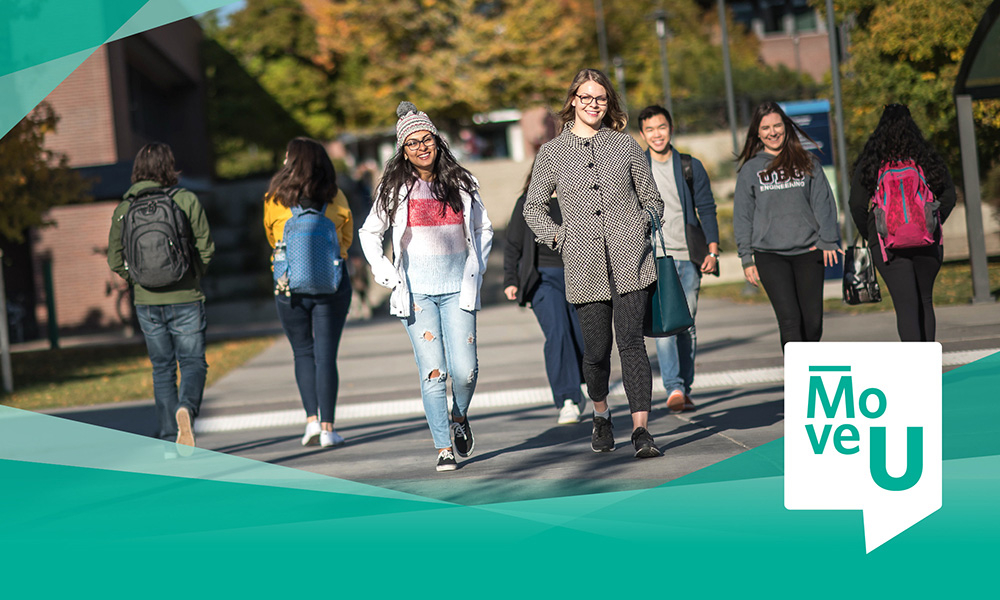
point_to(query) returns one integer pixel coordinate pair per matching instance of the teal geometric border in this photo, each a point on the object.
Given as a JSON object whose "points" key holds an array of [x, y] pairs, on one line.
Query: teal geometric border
{"points": [[93, 512]]}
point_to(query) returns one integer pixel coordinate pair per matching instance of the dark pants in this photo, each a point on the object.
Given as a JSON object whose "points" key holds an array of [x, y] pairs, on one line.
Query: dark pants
{"points": [[794, 284], [175, 337], [563, 337], [627, 312], [313, 325], [910, 276]]}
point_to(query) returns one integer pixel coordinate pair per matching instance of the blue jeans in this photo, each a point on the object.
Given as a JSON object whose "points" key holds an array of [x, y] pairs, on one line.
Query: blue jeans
{"points": [[313, 325], [563, 338], [175, 335], [676, 353], [444, 341]]}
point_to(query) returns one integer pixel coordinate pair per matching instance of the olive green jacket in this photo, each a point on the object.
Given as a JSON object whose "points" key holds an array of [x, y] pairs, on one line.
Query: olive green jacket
{"points": [[187, 289]]}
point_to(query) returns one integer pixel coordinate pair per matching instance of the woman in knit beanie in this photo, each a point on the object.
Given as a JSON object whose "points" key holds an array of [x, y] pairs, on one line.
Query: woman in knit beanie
{"points": [[441, 239]]}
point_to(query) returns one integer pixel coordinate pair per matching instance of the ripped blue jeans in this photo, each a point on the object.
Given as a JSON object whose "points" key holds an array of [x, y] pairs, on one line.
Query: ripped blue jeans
{"points": [[444, 344]]}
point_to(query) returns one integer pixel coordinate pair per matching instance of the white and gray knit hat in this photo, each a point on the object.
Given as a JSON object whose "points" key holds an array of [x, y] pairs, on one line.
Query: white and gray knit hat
{"points": [[411, 120]]}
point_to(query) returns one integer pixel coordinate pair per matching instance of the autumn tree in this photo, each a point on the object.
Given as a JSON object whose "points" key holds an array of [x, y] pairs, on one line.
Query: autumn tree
{"points": [[452, 58], [265, 85], [695, 59], [909, 51], [32, 178]]}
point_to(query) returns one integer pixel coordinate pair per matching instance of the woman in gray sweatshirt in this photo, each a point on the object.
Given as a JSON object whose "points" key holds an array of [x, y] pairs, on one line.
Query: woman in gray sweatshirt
{"points": [[785, 222]]}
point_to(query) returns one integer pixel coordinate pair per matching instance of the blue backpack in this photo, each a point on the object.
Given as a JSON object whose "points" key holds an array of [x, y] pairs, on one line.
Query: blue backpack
{"points": [[307, 259]]}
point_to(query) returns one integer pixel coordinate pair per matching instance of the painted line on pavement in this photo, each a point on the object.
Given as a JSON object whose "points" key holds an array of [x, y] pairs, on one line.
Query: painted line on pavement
{"points": [[512, 398]]}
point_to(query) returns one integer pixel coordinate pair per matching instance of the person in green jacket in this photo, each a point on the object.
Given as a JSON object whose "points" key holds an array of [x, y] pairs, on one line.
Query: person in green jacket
{"points": [[172, 317]]}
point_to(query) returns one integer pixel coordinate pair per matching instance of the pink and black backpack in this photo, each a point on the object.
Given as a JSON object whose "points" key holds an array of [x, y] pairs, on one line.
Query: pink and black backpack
{"points": [[906, 213]]}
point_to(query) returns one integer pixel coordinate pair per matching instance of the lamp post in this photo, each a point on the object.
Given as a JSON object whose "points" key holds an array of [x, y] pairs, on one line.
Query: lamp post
{"points": [[602, 36], [727, 69], [620, 77], [662, 32], [838, 106]]}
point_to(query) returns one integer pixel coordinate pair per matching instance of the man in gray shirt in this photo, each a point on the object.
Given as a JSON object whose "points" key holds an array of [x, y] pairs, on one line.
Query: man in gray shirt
{"points": [[691, 234]]}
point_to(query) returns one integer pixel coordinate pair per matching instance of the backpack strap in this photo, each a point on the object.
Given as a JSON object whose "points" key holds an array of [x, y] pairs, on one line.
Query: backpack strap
{"points": [[687, 168]]}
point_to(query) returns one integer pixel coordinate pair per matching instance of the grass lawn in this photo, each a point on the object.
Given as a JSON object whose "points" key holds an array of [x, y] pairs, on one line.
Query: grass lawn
{"points": [[953, 286], [83, 376]]}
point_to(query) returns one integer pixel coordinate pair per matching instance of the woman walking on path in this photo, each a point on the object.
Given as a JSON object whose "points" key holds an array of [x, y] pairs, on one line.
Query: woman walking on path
{"points": [[313, 323], [441, 239], [909, 273], [533, 273], [785, 222], [604, 186]]}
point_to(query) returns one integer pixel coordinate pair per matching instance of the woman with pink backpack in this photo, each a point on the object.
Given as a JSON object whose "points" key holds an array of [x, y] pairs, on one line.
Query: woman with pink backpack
{"points": [[901, 194]]}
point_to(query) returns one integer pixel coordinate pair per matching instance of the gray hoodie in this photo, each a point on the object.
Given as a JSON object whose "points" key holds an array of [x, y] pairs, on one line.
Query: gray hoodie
{"points": [[784, 217]]}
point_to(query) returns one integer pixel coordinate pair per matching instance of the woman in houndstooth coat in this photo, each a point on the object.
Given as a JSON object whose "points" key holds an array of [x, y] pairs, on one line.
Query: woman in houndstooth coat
{"points": [[603, 184]]}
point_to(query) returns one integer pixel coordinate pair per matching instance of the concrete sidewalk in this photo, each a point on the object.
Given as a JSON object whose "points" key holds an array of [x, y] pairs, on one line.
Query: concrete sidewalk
{"points": [[520, 451]]}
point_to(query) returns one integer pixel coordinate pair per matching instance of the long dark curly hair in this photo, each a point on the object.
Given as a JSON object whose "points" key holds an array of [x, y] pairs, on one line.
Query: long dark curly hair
{"points": [[897, 138], [450, 179], [792, 157], [307, 173]]}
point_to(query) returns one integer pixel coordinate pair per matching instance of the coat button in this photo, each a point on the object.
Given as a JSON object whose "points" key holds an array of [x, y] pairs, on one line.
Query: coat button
{"points": [[598, 213], [595, 186], [586, 143], [590, 166]]}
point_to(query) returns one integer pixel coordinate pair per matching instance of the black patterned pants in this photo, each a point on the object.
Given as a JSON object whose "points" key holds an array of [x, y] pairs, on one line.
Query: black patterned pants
{"points": [[626, 313]]}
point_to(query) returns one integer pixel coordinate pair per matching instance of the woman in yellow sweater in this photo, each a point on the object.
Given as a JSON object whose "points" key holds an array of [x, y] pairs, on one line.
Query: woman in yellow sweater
{"points": [[312, 322]]}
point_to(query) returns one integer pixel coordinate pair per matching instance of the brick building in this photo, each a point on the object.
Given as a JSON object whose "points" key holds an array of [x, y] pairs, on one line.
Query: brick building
{"points": [[144, 88]]}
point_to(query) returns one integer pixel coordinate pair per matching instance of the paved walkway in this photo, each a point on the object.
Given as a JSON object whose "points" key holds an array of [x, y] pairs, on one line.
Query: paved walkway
{"points": [[520, 451]]}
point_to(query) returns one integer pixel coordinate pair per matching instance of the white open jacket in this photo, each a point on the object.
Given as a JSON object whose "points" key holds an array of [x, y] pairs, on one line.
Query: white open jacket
{"points": [[478, 241]]}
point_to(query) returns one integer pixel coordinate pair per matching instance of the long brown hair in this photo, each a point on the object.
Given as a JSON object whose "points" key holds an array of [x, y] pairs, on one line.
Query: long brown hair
{"points": [[792, 157], [616, 118], [307, 173]]}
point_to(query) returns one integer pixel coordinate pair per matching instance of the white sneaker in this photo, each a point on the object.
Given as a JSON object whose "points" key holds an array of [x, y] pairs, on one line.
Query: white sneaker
{"points": [[311, 438], [569, 413], [330, 438]]}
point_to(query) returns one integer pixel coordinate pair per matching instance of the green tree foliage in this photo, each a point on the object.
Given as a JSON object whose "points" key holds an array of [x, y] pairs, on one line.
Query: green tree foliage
{"points": [[33, 179], [695, 60], [330, 64], [909, 51], [266, 85], [451, 58]]}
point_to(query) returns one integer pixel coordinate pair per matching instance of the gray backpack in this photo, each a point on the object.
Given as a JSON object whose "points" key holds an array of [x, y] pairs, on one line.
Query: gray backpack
{"points": [[156, 239]]}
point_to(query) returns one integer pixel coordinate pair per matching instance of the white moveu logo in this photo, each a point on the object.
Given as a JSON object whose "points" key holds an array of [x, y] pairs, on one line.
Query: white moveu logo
{"points": [[863, 431]]}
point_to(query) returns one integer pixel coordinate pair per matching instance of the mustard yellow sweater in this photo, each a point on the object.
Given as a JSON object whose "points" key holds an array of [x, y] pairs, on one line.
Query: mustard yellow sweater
{"points": [[337, 211]]}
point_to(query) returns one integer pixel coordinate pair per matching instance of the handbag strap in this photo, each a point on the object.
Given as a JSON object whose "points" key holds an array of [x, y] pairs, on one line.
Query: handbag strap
{"points": [[864, 242], [656, 230]]}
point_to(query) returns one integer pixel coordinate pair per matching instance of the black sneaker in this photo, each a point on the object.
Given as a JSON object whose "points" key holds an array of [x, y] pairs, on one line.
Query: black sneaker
{"points": [[645, 447], [603, 439], [462, 435], [446, 460]]}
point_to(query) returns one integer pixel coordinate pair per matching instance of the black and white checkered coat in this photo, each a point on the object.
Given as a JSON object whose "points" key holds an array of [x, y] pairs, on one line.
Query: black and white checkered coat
{"points": [[603, 185]]}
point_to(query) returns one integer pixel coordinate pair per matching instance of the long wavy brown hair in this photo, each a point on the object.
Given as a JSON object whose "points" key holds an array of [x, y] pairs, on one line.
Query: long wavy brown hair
{"points": [[307, 173], [616, 118], [792, 157]]}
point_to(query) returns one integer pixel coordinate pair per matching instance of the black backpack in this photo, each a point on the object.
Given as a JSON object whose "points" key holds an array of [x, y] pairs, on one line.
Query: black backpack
{"points": [[156, 239]]}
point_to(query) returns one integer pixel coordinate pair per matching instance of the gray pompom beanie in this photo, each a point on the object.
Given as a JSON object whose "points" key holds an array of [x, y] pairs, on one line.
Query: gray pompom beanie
{"points": [[410, 121]]}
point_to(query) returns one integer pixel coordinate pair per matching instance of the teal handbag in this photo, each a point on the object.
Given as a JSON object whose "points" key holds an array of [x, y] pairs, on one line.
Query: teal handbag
{"points": [[667, 313]]}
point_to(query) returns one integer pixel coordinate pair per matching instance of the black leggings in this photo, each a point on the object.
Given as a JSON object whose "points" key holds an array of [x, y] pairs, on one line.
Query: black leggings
{"points": [[627, 312], [794, 284], [910, 275]]}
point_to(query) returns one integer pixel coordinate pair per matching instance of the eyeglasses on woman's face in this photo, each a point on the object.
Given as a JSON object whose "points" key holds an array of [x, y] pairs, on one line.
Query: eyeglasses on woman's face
{"points": [[586, 99], [427, 142]]}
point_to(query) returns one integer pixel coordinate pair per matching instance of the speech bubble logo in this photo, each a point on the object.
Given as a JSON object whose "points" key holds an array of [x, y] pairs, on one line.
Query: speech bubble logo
{"points": [[863, 432]]}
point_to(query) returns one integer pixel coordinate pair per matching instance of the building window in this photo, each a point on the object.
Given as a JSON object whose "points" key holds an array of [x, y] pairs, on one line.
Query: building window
{"points": [[804, 16]]}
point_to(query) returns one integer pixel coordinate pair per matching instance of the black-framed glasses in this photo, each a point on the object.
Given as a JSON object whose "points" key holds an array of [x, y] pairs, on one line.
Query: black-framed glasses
{"points": [[587, 99], [426, 142]]}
